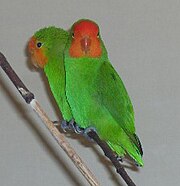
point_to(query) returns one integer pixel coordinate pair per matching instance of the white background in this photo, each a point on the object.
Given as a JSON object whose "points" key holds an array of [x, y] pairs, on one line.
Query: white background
{"points": [[143, 41]]}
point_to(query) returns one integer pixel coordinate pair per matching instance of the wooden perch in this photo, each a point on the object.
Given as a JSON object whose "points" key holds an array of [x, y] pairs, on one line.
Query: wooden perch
{"points": [[59, 137]]}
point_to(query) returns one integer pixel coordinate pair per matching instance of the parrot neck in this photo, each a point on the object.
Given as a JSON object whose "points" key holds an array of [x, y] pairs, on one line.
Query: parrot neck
{"points": [[54, 68], [55, 74]]}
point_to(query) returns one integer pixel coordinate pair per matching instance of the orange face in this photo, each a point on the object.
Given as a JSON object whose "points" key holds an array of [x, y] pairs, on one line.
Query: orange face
{"points": [[85, 40], [36, 51]]}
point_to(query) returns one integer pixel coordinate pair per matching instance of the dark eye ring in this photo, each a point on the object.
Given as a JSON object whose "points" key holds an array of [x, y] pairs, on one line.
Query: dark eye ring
{"points": [[39, 44], [72, 35]]}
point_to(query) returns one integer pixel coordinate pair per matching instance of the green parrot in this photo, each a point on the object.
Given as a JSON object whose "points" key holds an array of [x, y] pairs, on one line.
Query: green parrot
{"points": [[95, 92], [46, 51]]}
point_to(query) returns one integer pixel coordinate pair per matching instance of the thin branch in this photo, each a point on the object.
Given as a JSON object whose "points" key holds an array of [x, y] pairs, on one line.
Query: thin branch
{"points": [[59, 137], [26, 94], [112, 156]]}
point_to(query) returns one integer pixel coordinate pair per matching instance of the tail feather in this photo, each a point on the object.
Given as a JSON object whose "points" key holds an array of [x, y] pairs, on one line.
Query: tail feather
{"points": [[138, 143], [130, 149]]}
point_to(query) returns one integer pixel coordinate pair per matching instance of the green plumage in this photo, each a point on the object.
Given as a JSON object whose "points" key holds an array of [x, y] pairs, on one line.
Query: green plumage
{"points": [[98, 98], [53, 42], [90, 91]]}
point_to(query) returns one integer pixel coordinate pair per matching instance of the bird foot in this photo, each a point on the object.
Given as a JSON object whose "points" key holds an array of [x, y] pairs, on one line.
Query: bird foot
{"points": [[137, 165], [86, 131], [119, 158], [56, 123], [72, 126]]}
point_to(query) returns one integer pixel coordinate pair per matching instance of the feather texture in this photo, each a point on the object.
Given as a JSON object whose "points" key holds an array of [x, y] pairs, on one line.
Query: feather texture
{"points": [[98, 98]]}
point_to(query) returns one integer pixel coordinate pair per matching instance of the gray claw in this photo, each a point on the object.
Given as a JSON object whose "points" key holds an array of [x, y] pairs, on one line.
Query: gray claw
{"points": [[56, 123], [65, 125], [71, 125], [74, 127], [119, 158], [86, 131]]}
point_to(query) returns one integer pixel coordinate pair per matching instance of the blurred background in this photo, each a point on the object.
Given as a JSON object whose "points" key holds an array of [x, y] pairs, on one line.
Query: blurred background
{"points": [[143, 42]]}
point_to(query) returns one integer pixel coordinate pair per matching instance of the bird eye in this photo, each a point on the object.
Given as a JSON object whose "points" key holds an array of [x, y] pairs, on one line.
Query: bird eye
{"points": [[39, 44], [98, 35], [73, 35]]}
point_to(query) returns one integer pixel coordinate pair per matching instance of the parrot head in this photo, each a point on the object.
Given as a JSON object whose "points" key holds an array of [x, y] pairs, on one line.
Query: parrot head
{"points": [[46, 42], [37, 52], [85, 40]]}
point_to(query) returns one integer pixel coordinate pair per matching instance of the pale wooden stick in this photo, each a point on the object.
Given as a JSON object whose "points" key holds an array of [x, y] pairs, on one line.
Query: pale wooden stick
{"points": [[59, 137]]}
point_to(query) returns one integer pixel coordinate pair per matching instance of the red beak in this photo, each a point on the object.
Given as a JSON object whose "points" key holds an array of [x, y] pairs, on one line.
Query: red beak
{"points": [[85, 44]]}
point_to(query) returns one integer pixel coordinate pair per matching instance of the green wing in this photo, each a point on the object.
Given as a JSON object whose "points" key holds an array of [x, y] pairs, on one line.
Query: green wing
{"points": [[113, 95]]}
